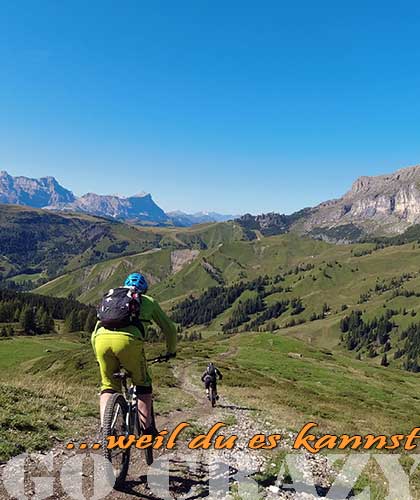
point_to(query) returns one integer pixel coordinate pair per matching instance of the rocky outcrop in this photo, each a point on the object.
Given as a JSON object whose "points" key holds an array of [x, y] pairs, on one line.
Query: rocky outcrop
{"points": [[380, 206], [385, 204], [46, 192], [140, 208], [181, 258], [272, 223], [37, 193]]}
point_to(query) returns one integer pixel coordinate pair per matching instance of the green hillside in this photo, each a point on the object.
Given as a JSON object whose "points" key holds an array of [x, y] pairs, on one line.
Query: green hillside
{"points": [[90, 282], [339, 393], [217, 263], [308, 288], [38, 245], [302, 330], [37, 241], [311, 296]]}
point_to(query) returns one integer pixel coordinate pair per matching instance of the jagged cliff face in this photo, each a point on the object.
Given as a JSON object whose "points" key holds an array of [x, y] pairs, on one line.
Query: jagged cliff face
{"points": [[135, 208], [385, 204], [382, 205], [36, 193], [46, 192]]}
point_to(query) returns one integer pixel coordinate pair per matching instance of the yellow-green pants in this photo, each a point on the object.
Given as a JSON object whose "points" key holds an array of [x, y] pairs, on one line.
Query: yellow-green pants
{"points": [[116, 350]]}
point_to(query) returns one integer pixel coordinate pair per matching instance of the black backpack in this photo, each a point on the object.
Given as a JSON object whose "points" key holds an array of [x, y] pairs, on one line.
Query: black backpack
{"points": [[119, 308]]}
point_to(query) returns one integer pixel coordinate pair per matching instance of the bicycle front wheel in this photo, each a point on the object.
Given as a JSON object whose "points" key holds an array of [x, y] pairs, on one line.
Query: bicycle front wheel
{"points": [[148, 452], [212, 397], [139, 430], [115, 424]]}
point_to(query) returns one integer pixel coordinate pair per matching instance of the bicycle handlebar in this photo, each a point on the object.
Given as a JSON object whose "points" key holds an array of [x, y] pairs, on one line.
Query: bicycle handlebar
{"points": [[124, 374], [163, 358]]}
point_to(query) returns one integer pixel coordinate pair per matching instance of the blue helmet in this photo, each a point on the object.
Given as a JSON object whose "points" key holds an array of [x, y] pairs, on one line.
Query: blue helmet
{"points": [[137, 281]]}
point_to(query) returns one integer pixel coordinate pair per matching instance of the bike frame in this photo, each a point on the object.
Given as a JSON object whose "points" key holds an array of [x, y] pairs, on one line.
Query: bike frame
{"points": [[132, 417], [130, 395]]}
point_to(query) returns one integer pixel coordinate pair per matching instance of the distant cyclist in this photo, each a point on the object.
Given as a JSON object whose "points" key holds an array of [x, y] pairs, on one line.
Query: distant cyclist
{"points": [[118, 341], [210, 377]]}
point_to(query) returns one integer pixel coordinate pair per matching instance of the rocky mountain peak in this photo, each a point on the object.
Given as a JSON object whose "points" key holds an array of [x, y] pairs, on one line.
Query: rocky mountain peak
{"points": [[383, 204], [402, 178], [36, 193], [134, 208], [46, 192]]}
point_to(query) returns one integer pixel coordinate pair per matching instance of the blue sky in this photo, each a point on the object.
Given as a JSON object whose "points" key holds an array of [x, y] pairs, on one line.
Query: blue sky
{"points": [[223, 105]]}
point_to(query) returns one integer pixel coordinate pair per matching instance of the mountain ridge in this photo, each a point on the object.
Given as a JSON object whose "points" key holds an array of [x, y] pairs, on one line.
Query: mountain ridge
{"points": [[47, 193], [36, 193], [378, 205], [374, 206], [133, 208], [181, 218]]}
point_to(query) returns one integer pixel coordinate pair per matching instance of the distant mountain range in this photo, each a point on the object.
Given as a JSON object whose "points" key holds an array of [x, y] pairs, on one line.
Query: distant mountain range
{"points": [[183, 219], [47, 193], [374, 206]]}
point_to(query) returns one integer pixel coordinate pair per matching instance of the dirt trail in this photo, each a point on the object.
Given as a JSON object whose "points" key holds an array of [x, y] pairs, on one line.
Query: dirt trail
{"points": [[190, 470]]}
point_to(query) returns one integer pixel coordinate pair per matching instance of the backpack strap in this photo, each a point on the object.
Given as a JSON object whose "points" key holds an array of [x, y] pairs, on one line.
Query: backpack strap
{"points": [[136, 321], [138, 324]]}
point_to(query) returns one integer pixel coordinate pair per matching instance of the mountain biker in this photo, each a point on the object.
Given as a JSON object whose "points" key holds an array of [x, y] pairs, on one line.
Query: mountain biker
{"points": [[123, 347], [209, 377]]}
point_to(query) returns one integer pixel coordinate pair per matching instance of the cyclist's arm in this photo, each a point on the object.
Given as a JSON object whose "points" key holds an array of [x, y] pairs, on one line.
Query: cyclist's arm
{"points": [[219, 374], [167, 326]]}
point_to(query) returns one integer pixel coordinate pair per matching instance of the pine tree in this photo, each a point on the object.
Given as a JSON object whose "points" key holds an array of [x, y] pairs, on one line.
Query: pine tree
{"points": [[344, 324], [39, 316], [16, 317], [71, 323], [81, 319], [47, 323], [372, 352], [384, 361], [387, 346], [27, 320], [271, 326], [314, 317], [90, 322]]}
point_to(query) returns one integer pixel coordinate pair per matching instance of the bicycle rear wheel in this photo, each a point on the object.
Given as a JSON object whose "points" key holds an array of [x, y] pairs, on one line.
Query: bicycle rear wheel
{"points": [[115, 424]]}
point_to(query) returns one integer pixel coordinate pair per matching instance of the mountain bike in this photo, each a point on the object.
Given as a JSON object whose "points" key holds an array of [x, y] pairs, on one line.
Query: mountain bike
{"points": [[212, 396], [121, 418]]}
